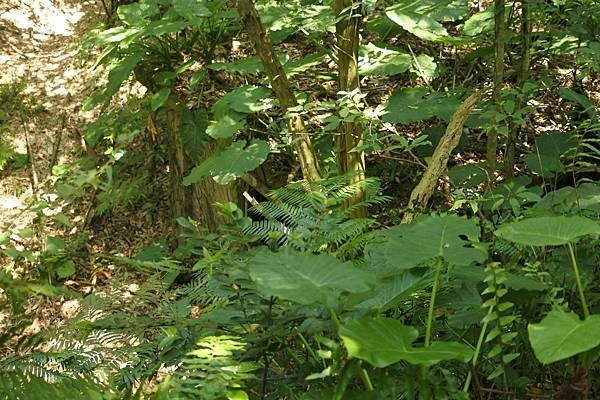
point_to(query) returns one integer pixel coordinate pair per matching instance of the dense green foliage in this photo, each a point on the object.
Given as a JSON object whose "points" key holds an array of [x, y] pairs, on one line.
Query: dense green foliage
{"points": [[491, 290]]}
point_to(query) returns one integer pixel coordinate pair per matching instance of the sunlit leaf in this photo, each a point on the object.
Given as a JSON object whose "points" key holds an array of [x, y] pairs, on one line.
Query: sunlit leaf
{"points": [[231, 162], [306, 278], [548, 231], [434, 236], [562, 335], [386, 341]]}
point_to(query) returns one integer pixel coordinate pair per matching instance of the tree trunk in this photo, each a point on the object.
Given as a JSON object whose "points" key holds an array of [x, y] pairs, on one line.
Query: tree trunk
{"points": [[511, 143], [281, 86], [492, 140], [349, 163], [196, 201], [439, 161]]}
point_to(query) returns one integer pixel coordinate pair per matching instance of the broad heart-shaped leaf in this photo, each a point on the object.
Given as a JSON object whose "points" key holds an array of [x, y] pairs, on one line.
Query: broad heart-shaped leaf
{"points": [[191, 9], [385, 341], [434, 236], [231, 162], [193, 133], [417, 104], [562, 334], [306, 278], [548, 231]]}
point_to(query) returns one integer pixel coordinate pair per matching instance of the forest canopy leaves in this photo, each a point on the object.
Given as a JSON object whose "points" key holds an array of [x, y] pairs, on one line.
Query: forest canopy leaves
{"points": [[386, 341], [306, 278], [562, 334], [231, 162]]}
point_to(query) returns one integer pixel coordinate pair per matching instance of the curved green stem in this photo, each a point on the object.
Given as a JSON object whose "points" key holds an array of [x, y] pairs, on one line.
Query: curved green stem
{"points": [[586, 311], [477, 351], [434, 290]]}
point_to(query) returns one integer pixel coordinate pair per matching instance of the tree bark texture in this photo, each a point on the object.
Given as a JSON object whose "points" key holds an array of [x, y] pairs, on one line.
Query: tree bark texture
{"points": [[523, 74], [281, 86], [349, 163], [196, 201], [421, 194], [492, 139]]}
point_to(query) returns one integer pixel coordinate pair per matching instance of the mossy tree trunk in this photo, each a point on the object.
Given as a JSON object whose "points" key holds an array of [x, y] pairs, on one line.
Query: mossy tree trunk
{"points": [[196, 201], [350, 163], [281, 86]]}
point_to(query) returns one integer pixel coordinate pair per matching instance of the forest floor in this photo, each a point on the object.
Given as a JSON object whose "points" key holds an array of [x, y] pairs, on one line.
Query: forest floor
{"points": [[40, 46]]}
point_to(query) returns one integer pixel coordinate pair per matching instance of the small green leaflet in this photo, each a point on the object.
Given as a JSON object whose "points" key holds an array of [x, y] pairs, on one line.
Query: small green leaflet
{"points": [[562, 335], [66, 270], [231, 162], [246, 100], [434, 236], [306, 278], [386, 341], [548, 231]]}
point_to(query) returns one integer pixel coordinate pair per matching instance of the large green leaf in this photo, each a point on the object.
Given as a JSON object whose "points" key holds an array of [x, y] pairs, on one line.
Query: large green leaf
{"points": [[562, 334], [116, 77], [480, 22], [420, 25], [389, 291], [548, 231], [226, 126], [191, 9], [246, 100], [136, 13], [231, 162], [434, 236], [581, 99], [374, 60], [417, 104], [193, 133], [385, 341], [306, 278]]}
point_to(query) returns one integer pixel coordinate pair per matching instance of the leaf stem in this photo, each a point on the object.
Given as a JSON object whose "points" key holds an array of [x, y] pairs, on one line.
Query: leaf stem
{"points": [[477, 351], [436, 284], [586, 311]]}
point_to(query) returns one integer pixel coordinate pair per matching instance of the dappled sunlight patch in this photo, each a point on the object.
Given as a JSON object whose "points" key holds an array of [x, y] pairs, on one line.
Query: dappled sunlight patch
{"points": [[44, 17]]}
